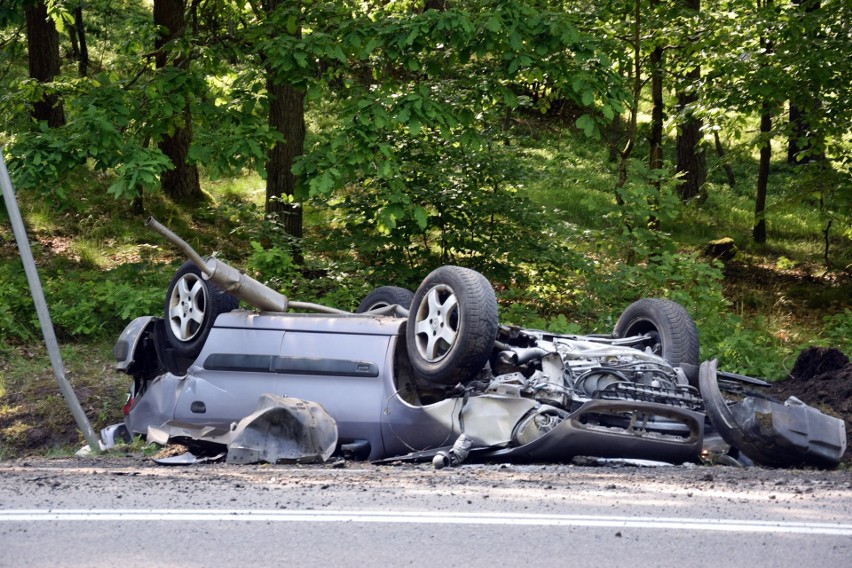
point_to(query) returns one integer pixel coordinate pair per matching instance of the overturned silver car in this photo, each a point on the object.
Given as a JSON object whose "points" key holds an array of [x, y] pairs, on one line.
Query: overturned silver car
{"points": [[432, 375]]}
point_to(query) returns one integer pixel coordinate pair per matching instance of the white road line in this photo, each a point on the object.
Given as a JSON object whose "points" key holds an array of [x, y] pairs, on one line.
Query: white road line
{"points": [[425, 517]]}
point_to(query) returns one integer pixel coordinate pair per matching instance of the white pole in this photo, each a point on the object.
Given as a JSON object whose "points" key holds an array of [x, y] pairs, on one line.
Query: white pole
{"points": [[41, 308]]}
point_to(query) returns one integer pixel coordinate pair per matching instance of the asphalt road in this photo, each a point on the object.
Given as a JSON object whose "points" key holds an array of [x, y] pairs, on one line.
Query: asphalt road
{"points": [[130, 512]]}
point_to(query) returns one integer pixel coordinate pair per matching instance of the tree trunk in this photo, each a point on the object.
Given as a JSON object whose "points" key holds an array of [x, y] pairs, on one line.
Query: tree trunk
{"points": [[797, 130], [439, 5], [803, 105], [720, 151], [80, 33], [614, 133], [287, 116], [181, 182], [655, 140], [43, 54], [691, 160], [759, 231], [625, 153]]}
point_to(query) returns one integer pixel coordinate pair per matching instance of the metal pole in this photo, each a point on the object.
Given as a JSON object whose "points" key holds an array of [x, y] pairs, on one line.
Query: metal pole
{"points": [[41, 308]]}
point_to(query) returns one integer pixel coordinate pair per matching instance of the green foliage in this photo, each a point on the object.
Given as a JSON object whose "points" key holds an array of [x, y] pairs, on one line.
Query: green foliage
{"points": [[43, 161], [445, 80], [87, 305], [137, 445], [648, 206], [274, 264], [743, 348], [650, 263], [83, 304], [459, 207], [515, 310], [141, 171], [16, 307], [837, 331], [410, 169], [103, 119]]}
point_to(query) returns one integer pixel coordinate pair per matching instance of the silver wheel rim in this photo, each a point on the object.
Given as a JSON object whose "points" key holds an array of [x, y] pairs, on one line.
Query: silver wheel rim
{"points": [[436, 324], [187, 307]]}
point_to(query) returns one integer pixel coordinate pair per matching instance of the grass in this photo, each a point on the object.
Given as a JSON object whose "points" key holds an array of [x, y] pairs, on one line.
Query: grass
{"points": [[34, 414]]}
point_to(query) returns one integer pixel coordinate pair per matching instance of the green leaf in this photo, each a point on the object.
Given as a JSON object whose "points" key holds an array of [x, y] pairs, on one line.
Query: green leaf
{"points": [[587, 124], [421, 217], [292, 25], [414, 127], [371, 46], [411, 36]]}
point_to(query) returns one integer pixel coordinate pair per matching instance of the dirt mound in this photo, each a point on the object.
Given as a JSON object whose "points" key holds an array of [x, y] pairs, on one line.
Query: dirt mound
{"points": [[822, 378], [817, 362]]}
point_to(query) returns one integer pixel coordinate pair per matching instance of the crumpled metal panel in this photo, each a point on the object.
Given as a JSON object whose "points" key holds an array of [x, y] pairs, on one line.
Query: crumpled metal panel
{"points": [[156, 406], [488, 420], [283, 430]]}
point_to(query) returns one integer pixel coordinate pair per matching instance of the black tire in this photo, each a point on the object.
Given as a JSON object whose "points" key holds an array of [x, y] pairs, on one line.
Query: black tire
{"points": [[384, 296], [452, 325], [672, 332], [192, 306]]}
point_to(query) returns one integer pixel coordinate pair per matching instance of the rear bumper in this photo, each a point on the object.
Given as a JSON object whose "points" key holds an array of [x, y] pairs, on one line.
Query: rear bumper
{"points": [[770, 433]]}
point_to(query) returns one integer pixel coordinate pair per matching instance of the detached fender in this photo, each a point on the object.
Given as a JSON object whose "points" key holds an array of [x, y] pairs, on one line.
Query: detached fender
{"points": [[770, 433]]}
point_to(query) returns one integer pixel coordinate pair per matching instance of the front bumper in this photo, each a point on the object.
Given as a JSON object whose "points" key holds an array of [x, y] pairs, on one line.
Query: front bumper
{"points": [[616, 429]]}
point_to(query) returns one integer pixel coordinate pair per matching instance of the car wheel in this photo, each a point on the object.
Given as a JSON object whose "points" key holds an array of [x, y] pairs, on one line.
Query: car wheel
{"points": [[671, 332], [192, 305], [452, 325], [385, 296]]}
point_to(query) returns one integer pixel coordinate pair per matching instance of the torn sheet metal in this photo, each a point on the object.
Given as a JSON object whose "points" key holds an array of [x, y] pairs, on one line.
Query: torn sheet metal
{"points": [[283, 430], [171, 430], [770, 433]]}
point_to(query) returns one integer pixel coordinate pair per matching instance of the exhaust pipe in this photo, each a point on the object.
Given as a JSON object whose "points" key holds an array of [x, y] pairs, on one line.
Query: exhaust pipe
{"points": [[235, 282], [520, 355]]}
